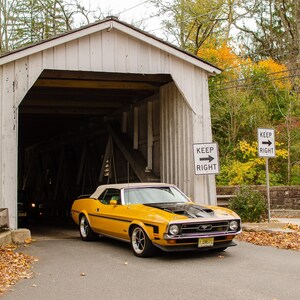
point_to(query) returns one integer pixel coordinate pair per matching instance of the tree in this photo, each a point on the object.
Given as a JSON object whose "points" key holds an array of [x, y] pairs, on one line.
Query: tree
{"points": [[235, 115], [25, 22], [38, 20], [6, 23], [248, 95], [192, 22], [271, 28]]}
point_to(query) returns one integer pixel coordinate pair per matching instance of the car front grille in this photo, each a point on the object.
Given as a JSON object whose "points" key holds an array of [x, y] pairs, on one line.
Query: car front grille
{"points": [[204, 228]]}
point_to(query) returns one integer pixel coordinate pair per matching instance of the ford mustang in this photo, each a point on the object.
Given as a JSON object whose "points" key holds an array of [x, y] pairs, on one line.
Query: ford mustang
{"points": [[154, 215]]}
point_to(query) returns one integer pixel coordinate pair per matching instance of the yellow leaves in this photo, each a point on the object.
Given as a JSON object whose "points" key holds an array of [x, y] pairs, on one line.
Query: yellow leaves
{"points": [[275, 72], [241, 173], [282, 240], [222, 56], [250, 150], [13, 266], [292, 226], [246, 167], [236, 68]]}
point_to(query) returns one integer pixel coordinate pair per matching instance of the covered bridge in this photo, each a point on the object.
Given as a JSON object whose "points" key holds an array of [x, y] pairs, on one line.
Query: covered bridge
{"points": [[103, 103]]}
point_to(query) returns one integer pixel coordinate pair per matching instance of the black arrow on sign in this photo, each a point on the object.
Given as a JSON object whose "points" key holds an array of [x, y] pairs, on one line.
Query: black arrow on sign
{"points": [[269, 143], [209, 158]]}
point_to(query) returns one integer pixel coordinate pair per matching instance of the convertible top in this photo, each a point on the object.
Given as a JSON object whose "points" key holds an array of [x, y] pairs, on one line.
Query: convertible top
{"points": [[101, 188]]}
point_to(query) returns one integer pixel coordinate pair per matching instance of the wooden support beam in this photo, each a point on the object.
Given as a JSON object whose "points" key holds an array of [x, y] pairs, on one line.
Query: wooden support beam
{"points": [[150, 136], [135, 127], [133, 157], [89, 84]]}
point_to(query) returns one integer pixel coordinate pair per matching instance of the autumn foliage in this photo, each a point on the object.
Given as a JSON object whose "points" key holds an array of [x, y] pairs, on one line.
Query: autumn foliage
{"points": [[13, 266], [281, 240], [248, 95]]}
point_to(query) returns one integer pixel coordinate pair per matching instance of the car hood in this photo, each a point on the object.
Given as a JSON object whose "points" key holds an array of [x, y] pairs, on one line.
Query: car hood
{"points": [[185, 209]]}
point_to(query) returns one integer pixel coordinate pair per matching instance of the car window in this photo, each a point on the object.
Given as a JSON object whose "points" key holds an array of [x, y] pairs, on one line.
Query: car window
{"points": [[154, 195], [110, 194]]}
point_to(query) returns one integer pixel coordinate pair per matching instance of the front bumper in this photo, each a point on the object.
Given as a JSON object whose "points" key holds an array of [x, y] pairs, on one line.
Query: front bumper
{"points": [[194, 247]]}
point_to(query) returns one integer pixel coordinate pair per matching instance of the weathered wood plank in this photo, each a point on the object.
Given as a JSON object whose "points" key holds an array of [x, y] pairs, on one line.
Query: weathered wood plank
{"points": [[60, 57], [48, 58], [96, 51], [72, 55], [21, 79], [109, 51], [35, 68], [9, 144], [84, 54]]}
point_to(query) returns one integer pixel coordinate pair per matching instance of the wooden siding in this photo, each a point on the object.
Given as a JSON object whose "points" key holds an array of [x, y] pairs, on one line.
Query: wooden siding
{"points": [[109, 52], [9, 143], [180, 129]]}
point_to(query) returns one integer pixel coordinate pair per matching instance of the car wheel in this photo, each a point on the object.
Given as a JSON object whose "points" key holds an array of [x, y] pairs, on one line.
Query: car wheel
{"points": [[86, 232], [140, 243]]}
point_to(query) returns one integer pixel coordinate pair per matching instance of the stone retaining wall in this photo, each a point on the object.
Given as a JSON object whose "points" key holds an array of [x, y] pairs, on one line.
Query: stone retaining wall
{"points": [[281, 197]]}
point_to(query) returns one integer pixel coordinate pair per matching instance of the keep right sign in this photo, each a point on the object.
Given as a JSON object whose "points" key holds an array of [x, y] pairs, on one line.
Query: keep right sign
{"points": [[266, 142]]}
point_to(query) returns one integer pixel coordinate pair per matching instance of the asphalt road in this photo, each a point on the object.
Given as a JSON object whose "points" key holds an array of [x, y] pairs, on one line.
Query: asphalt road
{"points": [[111, 271]]}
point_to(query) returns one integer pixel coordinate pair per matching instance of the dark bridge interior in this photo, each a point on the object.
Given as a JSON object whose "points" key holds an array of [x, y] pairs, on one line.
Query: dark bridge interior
{"points": [[70, 138]]}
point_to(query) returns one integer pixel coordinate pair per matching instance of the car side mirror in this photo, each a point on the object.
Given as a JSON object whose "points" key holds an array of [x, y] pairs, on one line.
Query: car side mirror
{"points": [[113, 202]]}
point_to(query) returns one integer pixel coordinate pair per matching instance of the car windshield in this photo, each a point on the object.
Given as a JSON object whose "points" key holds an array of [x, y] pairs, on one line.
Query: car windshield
{"points": [[146, 195]]}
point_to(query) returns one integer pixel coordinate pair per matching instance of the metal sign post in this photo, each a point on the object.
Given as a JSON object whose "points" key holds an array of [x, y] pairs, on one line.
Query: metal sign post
{"points": [[266, 148], [268, 188]]}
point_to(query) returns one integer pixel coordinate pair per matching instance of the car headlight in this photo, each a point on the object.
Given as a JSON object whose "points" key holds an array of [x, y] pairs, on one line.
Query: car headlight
{"points": [[174, 229], [233, 225], [33, 205]]}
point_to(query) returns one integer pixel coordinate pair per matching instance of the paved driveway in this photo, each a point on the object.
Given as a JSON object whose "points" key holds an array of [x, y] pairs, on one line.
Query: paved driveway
{"points": [[113, 272]]}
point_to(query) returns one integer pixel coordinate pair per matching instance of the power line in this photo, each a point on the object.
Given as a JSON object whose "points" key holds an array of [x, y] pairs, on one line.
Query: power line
{"points": [[251, 84], [253, 76], [130, 8]]}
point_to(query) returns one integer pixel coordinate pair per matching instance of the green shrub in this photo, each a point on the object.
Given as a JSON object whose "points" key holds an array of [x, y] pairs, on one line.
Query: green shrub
{"points": [[250, 205]]}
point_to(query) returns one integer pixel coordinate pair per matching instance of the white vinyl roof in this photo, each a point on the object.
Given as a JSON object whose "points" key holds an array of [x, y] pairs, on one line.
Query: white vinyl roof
{"points": [[101, 188]]}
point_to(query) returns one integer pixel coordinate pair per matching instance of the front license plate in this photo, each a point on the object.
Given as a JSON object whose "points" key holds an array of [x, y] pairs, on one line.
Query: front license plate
{"points": [[205, 242]]}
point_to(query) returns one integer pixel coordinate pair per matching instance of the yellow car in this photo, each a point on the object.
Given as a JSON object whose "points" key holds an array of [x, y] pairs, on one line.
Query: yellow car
{"points": [[154, 215]]}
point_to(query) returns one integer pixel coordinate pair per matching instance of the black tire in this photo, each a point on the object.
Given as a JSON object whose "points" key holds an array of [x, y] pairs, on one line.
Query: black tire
{"points": [[85, 230], [140, 243]]}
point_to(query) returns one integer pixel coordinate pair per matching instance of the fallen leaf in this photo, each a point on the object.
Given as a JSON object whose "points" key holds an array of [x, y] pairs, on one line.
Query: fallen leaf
{"points": [[281, 240], [14, 266]]}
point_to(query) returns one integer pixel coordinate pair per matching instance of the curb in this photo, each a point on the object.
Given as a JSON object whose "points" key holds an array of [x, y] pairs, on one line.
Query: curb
{"points": [[17, 236], [268, 227]]}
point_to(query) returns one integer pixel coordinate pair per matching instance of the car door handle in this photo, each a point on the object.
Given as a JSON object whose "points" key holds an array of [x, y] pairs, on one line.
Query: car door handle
{"points": [[97, 209]]}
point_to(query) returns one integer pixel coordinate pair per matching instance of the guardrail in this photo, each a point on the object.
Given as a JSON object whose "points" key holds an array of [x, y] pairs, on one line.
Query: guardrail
{"points": [[223, 200]]}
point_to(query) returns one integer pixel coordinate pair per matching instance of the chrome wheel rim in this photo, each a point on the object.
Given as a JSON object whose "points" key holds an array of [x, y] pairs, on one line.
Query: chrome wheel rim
{"points": [[84, 226], [138, 240]]}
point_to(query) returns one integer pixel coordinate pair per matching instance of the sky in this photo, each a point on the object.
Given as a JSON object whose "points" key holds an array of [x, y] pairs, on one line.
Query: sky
{"points": [[130, 11]]}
